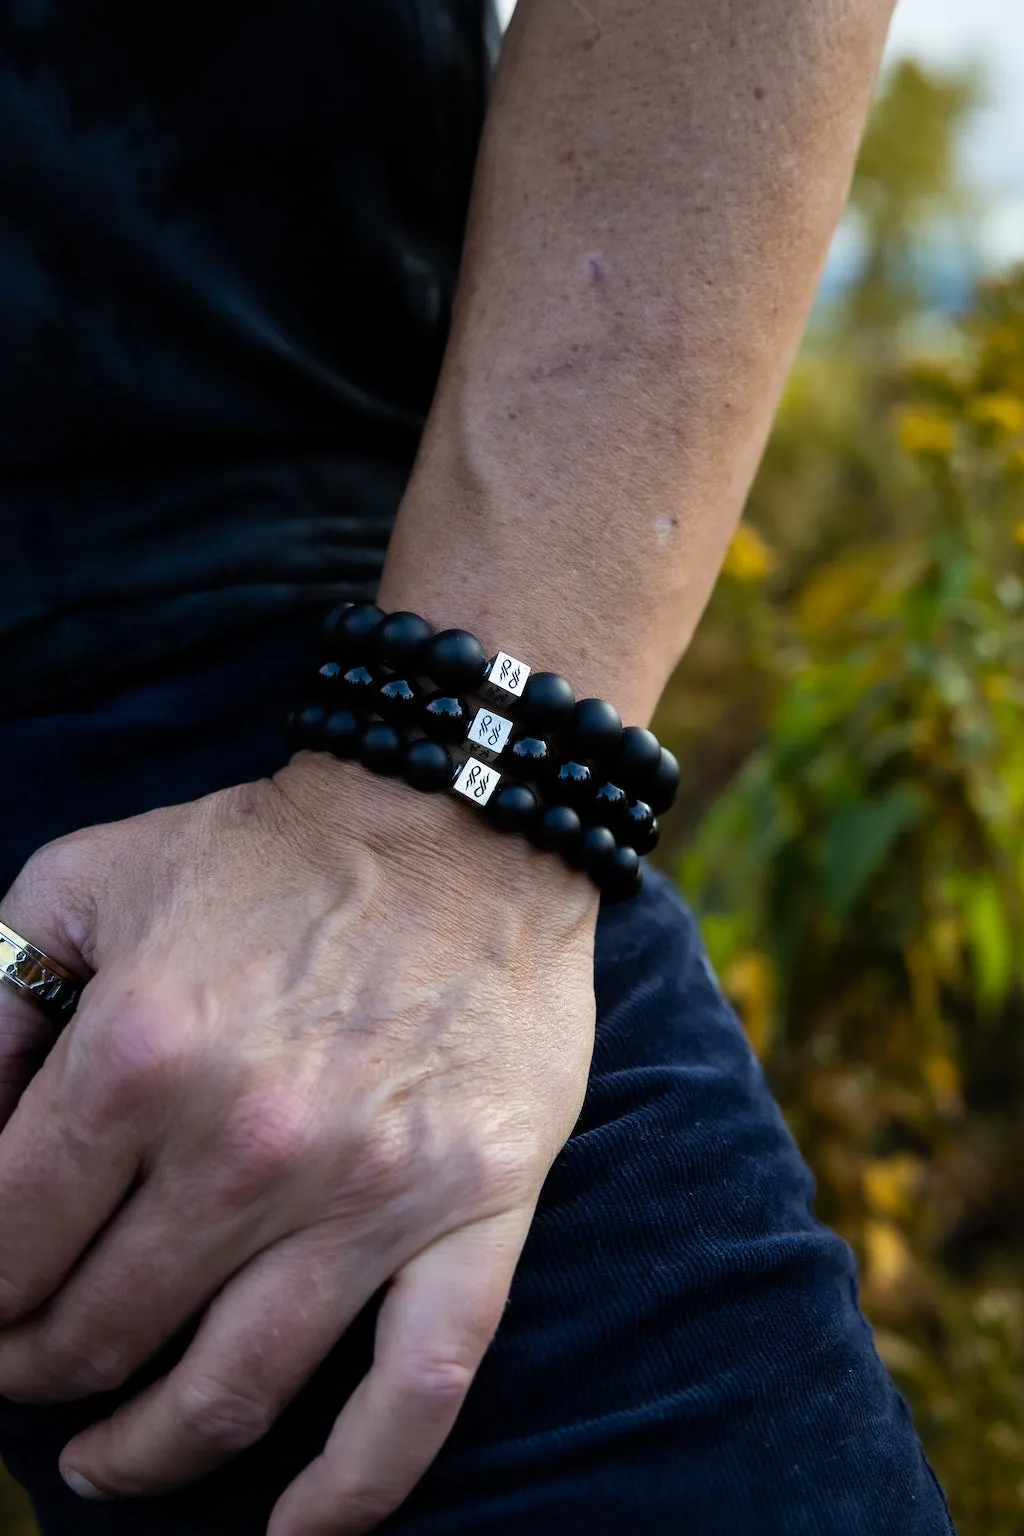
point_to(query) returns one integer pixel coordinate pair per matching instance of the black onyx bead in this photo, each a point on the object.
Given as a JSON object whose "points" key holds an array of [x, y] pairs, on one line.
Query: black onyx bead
{"points": [[445, 717], [328, 679], [599, 850], [328, 626], [399, 700], [381, 746], [358, 686], [512, 807], [596, 728], [622, 876], [610, 803], [455, 660], [557, 829], [427, 765], [571, 782], [399, 642], [547, 704], [661, 787], [305, 728], [351, 631], [641, 828], [342, 731], [638, 756], [528, 756]]}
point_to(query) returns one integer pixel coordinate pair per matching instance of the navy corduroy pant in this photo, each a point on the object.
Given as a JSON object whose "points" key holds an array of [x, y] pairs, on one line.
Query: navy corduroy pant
{"points": [[682, 1350]]}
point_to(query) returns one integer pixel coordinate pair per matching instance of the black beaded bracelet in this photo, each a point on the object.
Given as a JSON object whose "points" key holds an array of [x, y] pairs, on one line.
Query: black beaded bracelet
{"points": [[564, 772]]}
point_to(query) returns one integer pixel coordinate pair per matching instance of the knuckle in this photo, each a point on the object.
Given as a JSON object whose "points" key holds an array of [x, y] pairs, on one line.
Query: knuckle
{"points": [[267, 1135], [142, 1052], [220, 1416], [434, 1379]]}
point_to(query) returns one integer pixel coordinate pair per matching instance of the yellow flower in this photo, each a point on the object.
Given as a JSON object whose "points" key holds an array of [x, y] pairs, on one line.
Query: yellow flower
{"points": [[748, 557], [1002, 411], [924, 433]]}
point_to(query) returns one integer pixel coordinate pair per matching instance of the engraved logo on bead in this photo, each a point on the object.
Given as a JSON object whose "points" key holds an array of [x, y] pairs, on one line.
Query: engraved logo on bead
{"points": [[476, 781], [489, 733], [506, 679]]}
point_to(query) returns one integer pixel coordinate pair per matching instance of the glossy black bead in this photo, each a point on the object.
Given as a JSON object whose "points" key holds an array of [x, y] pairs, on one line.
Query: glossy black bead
{"points": [[610, 804], [661, 788], [557, 829], [455, 660], [352, 630], [328, 681], [528, 756], [358, 687], [342, 730], [381, 745], [445, 717], [427, 765], [596, 729], [599, 850], [571, 784], [400, 640], [640, 828], [512, 807], [622, 876], [638, 756], [399, 700], [304, 728], [547, 704]]}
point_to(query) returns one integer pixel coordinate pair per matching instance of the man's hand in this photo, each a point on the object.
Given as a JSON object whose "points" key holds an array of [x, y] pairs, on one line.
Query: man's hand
{"points": [[335, 1036]]}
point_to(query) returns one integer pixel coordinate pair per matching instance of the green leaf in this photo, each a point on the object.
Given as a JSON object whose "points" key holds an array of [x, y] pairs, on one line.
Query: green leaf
{"points": [[989, 940], [858, 837]]}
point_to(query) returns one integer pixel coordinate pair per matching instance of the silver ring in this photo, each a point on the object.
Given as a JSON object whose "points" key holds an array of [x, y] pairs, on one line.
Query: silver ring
{"points": [[49, 985]]}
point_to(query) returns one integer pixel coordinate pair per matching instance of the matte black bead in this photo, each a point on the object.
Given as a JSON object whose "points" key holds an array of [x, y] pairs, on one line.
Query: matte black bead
{"points": [[400, 640], [622, 876], [381, 746], [445, 717], [342, 732], [547, 704], [640, 829], [528, 756], [455, 660], [599, 850], [512, 807], [661, 788], [557, 829], [358, 687], [305, 728], [328, 626], [399, 700], [572, 784], [427, 765], [350, 636], [638, 756], [596, 728], [610, 804]]}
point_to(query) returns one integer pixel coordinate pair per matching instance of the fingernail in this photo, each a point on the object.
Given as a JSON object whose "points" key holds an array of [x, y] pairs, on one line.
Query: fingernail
{"points": [[81, 1485]]}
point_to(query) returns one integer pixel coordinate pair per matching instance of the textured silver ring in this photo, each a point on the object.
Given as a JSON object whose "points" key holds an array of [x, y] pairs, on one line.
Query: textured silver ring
{"points": [[51, 986]]}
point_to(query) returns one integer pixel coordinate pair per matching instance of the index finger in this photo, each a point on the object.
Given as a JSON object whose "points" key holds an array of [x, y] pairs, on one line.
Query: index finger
{"points": [[433, 1330]]}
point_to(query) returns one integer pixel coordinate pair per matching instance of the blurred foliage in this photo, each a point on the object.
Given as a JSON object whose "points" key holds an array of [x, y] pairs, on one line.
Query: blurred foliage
{"points": [[851, 724]]}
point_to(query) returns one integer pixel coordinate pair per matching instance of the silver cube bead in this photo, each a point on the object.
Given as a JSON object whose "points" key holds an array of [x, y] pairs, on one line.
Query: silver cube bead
{"points": [[488, 734], [505, 680], [476, 781]]}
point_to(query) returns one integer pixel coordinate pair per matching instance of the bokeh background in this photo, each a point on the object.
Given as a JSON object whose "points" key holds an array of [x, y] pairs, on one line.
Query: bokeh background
{"points": [[850, 721]]}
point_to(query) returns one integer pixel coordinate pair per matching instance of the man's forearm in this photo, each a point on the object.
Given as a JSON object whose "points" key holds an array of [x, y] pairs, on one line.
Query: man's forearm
{"points": [[656, 190]]}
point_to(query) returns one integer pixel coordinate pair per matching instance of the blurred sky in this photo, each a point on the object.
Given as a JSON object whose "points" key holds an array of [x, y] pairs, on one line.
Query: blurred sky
{"points": [[990, 32]]}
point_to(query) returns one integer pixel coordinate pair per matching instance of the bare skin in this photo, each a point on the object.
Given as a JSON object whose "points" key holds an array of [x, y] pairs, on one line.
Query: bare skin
{"points": [[336, 1035]]}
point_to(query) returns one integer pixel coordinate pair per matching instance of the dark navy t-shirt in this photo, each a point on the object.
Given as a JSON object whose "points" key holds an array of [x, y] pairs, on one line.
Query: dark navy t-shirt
{"points": [[229, 235]]}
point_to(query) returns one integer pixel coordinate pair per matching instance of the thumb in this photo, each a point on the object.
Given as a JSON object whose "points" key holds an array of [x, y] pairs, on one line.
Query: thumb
{"points": [[43, 940]]}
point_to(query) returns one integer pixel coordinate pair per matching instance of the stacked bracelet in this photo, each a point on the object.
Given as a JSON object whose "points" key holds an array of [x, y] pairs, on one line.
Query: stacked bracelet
{"points": [[433, 708]]}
